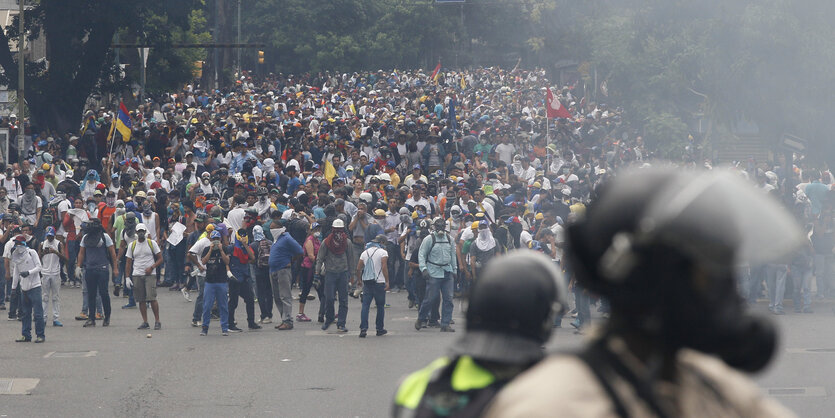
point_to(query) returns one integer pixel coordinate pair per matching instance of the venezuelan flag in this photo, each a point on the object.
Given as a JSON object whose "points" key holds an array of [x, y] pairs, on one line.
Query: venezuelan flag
{"points": [[437, 73], [123, 123]]}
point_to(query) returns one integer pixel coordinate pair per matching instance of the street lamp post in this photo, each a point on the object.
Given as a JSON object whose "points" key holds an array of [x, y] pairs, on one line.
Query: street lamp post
{"points": [[21, 112]]}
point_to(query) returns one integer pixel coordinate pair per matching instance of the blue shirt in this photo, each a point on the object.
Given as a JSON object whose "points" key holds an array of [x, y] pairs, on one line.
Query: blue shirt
{"points": [[283, 250], [816, 192], [238, 269], [293, 184]]}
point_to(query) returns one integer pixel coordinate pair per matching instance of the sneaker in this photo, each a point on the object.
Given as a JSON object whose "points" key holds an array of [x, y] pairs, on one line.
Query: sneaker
{"points": [[381, 332], [186, 296], [411, 304], [341, 329], [204, 331], [575, 323], [39, 340], [12, 318], [254, 326], [302, 318], [447, 329], [195, 324], [285, 326], [234, 328], [89, 323], [418, 324], [157, 326], [144, 326], [116, 290], [106, 322], [326, 325], [98, 316], [321, 319], [225, 333], [129, 306], [164, 284], [266, 320], [23, 339], [2, 307], [57, 324], [362, 333], [452, 322], [311, 297], [81, 317]]}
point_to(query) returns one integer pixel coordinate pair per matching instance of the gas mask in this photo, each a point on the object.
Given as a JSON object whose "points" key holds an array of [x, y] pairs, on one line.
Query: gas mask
{"points": [[205, 180]]}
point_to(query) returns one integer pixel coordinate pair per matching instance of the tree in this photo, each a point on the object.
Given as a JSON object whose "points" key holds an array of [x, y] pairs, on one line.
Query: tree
{"points": [[79, 34]]}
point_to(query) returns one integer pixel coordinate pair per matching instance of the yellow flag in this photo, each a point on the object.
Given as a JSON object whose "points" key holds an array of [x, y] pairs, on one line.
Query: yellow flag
{"points": [[463, 83], [329, 172]]}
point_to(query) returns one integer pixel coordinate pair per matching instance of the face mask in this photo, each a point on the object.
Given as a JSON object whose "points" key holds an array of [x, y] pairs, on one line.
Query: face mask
{"points": [[110, 201], [262, 199], [91, 207], [205, 181], [157, 176], [405, 218], [19, 250], [29, 193]]}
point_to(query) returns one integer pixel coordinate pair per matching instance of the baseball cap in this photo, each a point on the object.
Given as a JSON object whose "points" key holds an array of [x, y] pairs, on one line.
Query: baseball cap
{"points": [[141, 227]]}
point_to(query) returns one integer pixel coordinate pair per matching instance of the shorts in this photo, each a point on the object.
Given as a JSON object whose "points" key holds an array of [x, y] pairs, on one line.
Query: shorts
{"points": [[144, 288]]}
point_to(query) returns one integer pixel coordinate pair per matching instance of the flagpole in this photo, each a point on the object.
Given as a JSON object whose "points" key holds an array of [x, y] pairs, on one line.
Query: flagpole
{"points": [[112, 140]]}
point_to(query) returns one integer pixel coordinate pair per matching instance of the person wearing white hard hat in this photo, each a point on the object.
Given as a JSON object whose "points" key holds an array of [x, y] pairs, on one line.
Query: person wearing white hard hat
{"points": [[334, 262]]}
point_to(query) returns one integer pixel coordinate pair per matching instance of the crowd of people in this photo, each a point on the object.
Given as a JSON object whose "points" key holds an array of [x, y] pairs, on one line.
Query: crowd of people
{"points": [[331, 183]]}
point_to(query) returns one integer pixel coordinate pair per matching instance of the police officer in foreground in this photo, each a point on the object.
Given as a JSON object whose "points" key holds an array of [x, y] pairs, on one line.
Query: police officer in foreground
{"points": [[509, 319], [661, 244]]}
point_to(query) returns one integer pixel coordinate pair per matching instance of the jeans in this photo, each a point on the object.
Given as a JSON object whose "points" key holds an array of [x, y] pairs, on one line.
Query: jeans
{"points": [[175, 263], [3, 291], [14, 303], [823, 273], [306, 285], [31, 300], [72, 253], [372, 290], [438, 287], [336, 283], [216, 292], [395, 264], [581, 300], [776, 281], [802, 295], [97, 279], [280, 282], [198, 303], [264, 291], [50, 284], [244, 290], [85, 299]]}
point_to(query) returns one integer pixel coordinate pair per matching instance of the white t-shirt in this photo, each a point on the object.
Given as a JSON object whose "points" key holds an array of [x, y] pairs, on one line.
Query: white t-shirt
{"points": [[50, 263], [197, 249], [374, 257], [142, 255], [505, 152]]}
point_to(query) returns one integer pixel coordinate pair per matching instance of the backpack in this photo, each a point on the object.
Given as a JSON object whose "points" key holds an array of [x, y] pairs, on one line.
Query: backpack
{"points": [[431, 246], [368, 272], [133, 247], [49, 217], [264, 253]]}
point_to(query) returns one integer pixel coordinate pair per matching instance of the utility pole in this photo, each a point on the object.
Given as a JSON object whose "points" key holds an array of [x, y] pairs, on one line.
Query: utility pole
{"points": [[239, 38], [21, 112], [215, 37]]}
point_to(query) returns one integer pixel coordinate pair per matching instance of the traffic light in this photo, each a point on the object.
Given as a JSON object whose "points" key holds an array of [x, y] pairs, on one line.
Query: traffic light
{"points": [[260, 57]]}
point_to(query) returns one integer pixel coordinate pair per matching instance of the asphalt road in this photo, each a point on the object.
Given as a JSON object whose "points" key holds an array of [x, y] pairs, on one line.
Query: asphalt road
{"points": [[118, 371]]}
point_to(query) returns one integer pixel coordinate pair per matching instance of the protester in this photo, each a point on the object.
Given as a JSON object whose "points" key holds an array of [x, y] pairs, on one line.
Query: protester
{"points": [[374, 278], [51, 253], [26, 276], [143, 257]]}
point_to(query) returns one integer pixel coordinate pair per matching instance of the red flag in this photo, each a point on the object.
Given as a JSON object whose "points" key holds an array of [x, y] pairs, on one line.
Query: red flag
{"points": [[555, 107]]}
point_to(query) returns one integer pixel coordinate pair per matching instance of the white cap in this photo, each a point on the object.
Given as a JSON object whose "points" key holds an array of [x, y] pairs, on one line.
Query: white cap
{"points": [[337, 223], [141, 227]]}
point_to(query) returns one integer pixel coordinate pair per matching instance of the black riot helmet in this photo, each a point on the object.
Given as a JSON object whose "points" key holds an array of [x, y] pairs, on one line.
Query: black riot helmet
{"points": [[512, 307], [662, 245]]}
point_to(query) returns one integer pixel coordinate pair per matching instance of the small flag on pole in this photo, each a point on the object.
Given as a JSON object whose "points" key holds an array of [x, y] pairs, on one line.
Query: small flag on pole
{"points": [[556, 108], [437, 73]]}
